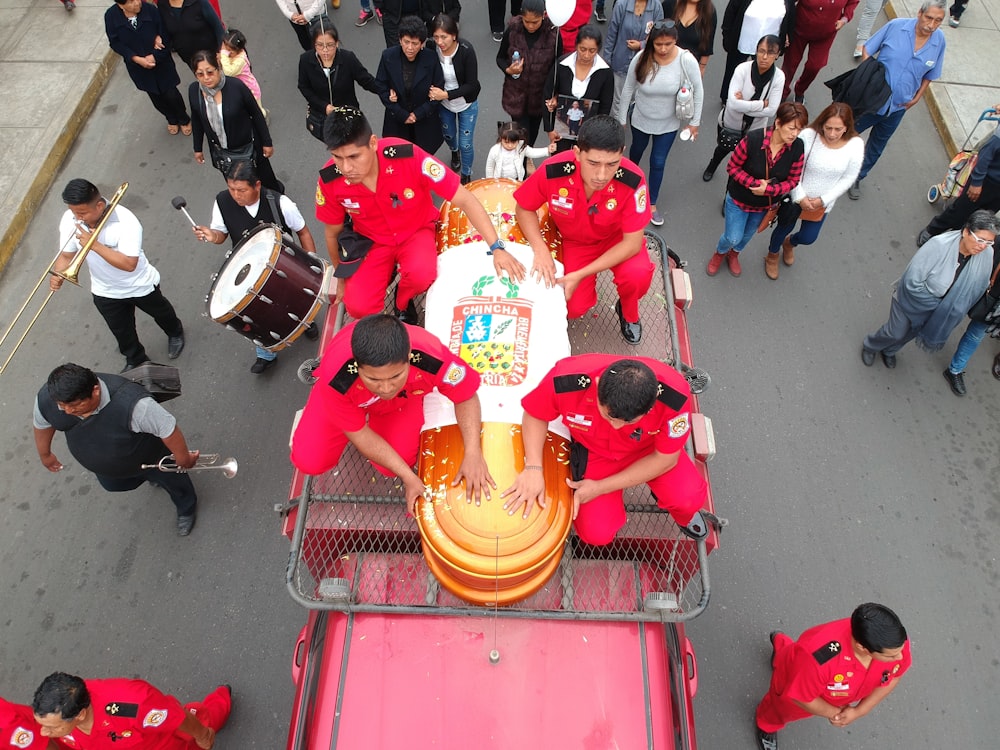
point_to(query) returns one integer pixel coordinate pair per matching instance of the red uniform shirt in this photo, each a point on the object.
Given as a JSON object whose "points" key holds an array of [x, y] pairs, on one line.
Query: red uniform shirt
{"points": [[129, 714], [822, 664], [619, 208], [18, 728], [569, 390], [402, 201]]}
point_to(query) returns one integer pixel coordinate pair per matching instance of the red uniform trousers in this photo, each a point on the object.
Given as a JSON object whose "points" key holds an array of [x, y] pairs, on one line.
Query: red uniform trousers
{"points": [[819, 55], [632, 279], [774, 710], [364, 293], [399, 427], [680, 491], [212, 711]]}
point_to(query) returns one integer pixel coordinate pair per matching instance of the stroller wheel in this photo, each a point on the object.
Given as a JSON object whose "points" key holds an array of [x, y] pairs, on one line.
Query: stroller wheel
{"points": [[933, 193]]}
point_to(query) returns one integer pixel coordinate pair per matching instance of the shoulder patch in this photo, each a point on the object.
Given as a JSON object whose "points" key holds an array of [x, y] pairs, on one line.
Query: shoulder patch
{"points": [[424, 361], [570, 383], [345, 376], [398, 151], [155, 717], [560, 169], [824, 653], [455, 373], [22, 737], [330, 173], [127, 710], [627, 177], [433, 169], [674, 399]]}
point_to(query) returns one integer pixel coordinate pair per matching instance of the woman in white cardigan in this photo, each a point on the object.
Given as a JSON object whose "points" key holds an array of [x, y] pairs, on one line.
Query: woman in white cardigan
{"points": [[754, 96], [654, 78], [833, 155]]}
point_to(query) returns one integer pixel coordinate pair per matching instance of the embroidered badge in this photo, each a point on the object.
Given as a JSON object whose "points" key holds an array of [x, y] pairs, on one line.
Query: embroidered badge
{"points": [[155, 717], [433, 169], [640, 199], [22, 737], [678, 426], [455, 374], [320, 198]]}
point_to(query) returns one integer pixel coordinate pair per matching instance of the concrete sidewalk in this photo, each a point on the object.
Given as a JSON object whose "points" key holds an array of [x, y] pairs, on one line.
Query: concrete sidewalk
{"points": [[54, 66]]}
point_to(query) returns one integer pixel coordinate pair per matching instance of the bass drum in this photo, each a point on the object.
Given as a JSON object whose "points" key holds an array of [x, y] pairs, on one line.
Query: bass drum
{"points": [[268, 290], [497, 196]]}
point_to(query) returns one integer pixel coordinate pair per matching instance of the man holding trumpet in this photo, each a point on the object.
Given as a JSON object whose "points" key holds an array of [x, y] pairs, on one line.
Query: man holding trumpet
{"points": [[113, 427]]}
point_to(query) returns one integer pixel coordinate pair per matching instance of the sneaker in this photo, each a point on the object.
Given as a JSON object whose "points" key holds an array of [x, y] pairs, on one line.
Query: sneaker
{"points": [[868, 356], [953, 22], [497, 36], [956, 381], [378, 16], [766, 740], [854, 191], [261, 364], [859, 51], [733, 259], [70, 5], [364, 17], [656, 219], [601, 18], [715, 263], [409, 315]]}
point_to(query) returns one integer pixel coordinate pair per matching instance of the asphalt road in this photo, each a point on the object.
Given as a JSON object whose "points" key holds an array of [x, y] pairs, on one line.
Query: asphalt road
{"points": [[842, 484]]}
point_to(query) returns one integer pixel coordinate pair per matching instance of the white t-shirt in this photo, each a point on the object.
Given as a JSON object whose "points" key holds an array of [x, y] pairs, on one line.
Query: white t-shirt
{"points": [[451, 82], [290, 212], [123, 233], [763, 17]]}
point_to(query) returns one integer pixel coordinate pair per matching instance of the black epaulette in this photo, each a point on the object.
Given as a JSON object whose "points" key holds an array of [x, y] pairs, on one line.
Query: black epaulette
{"points": [[570, 383], [560, 169], [628, 177], [424, 361], [128, 710], [330, 173], [345, 376], [824, 653], [674, 399], [398, 151]]}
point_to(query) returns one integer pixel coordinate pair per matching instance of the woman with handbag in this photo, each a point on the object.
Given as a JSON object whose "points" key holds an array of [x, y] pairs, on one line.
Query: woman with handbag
{"points": [[754, 96], [327, 74], [979, 326], [834, 152], [224, 111], [766, 165], [458, 97], [655, 77]]}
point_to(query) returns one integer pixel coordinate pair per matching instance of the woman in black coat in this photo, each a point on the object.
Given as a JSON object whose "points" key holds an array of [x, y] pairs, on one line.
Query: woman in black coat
{"points": [[191, 25], [327, 74], [236, 130], [407, 72], [147, 58], [583, 64]]}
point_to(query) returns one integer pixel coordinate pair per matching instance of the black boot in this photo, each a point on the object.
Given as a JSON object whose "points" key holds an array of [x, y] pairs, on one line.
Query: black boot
{"points": [[716, 160]]}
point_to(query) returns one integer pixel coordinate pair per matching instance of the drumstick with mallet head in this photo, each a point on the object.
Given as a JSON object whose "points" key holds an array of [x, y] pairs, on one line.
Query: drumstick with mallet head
{"points": [[181, 205]]}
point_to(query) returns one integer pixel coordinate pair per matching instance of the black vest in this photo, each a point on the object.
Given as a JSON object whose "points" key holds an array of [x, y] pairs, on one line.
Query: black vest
{"points": [[238, 220], [104, 442], [756, 165]]}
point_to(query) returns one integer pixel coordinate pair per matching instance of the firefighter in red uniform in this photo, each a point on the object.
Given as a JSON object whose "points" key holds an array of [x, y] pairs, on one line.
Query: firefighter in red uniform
{"points": [[628, 419], [19, 730], [385, 186], [120, 714], [370, 391], [597, 200], [840, 670]]}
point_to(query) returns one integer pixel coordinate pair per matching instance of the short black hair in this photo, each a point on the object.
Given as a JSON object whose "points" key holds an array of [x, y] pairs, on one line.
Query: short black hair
{"points": [[379, 340], [412, 26], [79, 191], [601, 133], [589, 31], [877, 628], [243, 170], [444, 22], [627, 389], [204, 55], [62, 694], [346, 126], [320, 26], [772, 43], [70, 382]]}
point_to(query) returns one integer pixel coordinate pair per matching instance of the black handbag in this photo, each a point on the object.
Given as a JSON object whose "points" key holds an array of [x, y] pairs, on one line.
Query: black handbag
{"points": [[987, 303], [729, 138], [315, 121], [224, 158]]}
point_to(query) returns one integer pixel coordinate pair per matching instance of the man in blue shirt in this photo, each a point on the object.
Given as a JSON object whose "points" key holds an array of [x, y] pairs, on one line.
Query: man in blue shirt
{"points": [[912, 51]]}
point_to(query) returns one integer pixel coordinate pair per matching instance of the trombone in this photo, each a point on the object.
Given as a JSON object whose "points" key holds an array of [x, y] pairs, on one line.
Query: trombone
{"points": [[206, 461], [71, 273]]}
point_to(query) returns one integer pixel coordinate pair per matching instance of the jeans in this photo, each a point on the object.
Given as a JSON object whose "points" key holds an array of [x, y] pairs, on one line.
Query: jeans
{"points": [[458, 129], [967, 346], [883, 126], [264, 354], [178, 486], [657, 157], [741, 226], [807, 234], [366, 6]]}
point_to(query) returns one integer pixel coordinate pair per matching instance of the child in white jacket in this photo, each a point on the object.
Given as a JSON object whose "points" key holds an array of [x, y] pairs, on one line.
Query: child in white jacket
{"points": [[506, 158]]}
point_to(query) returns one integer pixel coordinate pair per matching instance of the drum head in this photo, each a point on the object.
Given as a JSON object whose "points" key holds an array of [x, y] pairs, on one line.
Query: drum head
{"points": [[244, 272]]}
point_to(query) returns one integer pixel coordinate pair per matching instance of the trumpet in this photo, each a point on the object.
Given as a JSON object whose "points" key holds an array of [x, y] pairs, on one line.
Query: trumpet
{"points": [[71, 273], [205, 462]]}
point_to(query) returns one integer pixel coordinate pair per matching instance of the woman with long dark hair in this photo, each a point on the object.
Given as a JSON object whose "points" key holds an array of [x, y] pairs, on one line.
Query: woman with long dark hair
{"points": [[696, 23], [459, 108], [765, 166], [582, 77]]}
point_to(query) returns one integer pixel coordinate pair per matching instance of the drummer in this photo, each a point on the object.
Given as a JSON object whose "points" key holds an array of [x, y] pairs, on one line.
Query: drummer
{"points": [[385, 186], [628, 420], [370, 391], [238, 210]]}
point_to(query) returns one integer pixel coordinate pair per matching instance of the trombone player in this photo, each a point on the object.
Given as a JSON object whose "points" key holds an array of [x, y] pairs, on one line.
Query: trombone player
{"points": [[121, 278], [113, 426]]}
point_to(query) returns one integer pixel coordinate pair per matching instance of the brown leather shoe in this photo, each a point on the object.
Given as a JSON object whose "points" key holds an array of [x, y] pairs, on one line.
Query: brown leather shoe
{"points": [[771, 266], [787, 251], [733, 259], [714, 264], [996, 367]]}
